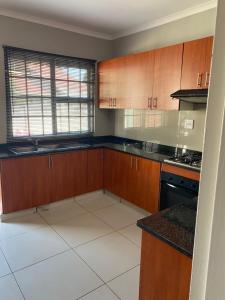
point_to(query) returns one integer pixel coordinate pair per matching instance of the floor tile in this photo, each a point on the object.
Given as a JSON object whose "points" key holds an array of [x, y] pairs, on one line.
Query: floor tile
{"points": [[126, 286], [96, 201], [133, 233], [4, 268], [61, 212], [29, 248], [102, 293], [119, 215], [64, 276], [110, 256], [81, 229], [13, 227], [9, 289]]}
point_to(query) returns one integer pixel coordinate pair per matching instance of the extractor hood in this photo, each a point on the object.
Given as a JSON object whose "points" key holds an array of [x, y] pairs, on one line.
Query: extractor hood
{"points": [[192, 96]]}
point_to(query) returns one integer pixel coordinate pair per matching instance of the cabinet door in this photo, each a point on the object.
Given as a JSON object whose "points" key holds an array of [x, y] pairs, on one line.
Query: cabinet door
{"points": [[196, 63], [69, 174], [116, 165], [144, 184], [208, 60], [25, 182], [165, 272], [139, 79], [167, 74], [126, 82], [95, 170], [105, 84]]}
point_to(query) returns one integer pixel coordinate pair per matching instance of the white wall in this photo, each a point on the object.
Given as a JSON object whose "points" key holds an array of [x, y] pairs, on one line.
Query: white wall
{"points": [[33, 36], [208, 280], [170, 129]]}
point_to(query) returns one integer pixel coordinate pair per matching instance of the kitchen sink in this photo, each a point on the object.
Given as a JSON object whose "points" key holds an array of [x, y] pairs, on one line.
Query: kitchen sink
{"points": [[46, 148]]}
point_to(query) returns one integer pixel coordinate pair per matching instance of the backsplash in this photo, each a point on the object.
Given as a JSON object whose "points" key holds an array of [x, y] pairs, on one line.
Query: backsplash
{"points": [[164, 127]]}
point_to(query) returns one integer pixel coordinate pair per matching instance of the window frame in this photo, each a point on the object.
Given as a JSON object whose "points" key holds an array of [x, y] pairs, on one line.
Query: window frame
{"points": [[53, 60]]}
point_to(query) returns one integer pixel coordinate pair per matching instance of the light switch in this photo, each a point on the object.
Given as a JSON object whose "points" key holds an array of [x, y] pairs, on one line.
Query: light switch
{"points": [[188, 124]]}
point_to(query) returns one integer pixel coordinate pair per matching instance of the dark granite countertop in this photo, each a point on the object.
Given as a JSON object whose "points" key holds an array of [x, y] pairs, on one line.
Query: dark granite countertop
{"points": [[157, 152], [175, 226]]}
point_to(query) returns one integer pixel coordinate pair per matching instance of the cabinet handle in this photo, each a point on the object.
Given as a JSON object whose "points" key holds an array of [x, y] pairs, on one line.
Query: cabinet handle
{"points": [[199, 80], [49, 161], [207, 79], [114, 102], [131, 162], [155, 102], [150, 102], [136, 164]]}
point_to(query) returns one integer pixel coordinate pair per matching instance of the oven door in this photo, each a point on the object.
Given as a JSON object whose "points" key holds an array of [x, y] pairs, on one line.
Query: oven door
{"points": [[173, 193]]}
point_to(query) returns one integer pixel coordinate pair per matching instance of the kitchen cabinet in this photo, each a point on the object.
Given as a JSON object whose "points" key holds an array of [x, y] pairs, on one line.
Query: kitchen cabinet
{"points": [[196, 63], [68, 174], [111, 83], [95, 170], [138, 80], [132, 178], [143, 183], [25, 182], [116, 166], [191, 174], [38, 180], [143, 80], [165, 272], [167, 74]]}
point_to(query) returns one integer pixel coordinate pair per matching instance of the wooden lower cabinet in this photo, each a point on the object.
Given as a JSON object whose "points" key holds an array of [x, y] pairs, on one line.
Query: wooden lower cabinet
{"points": [[69, 174], [165, 272], [116, 168], [143, 185], [132, 178], [94, 170], [25, 182], [33, 181]]}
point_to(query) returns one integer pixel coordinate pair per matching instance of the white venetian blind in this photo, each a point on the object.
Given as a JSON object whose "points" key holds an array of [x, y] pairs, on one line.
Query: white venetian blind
{"points": [[48, 94]]}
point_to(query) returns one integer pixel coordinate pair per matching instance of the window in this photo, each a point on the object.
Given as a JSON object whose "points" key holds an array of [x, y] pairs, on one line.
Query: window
{"points": [[132, 118], [48, 94]]}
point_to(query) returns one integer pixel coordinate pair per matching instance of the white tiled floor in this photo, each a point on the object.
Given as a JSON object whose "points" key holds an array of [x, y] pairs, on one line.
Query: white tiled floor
{"points": [[85, 248]]}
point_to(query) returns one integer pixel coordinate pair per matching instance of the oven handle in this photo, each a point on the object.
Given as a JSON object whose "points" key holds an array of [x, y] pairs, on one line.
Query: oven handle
{"points": [[179, 189], [172, 186]]}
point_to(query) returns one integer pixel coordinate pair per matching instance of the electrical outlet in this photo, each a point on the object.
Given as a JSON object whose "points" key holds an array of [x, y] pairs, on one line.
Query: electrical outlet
{"points": [[189, 124]]}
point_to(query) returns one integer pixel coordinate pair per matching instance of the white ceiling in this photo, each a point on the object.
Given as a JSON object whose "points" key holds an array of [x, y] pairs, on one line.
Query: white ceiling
{"points": [[103, 18]]}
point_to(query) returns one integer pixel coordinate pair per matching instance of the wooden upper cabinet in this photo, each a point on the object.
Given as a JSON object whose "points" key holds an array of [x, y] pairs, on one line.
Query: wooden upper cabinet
{"points": [[126, 82], [167, 74], [105, 83], [25, 182], [111, 83], [196, 63], [139, 79]]}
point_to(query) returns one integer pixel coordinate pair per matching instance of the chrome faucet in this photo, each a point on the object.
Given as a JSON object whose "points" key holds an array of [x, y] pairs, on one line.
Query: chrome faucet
{"points": [[35, 142]]}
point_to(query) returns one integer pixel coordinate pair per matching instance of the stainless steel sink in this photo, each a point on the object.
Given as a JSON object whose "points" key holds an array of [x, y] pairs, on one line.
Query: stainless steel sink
{"points": [[46, 148], [26, 149]]}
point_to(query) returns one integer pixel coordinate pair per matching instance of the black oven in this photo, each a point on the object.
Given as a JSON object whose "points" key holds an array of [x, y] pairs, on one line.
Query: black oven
{"points": [[176, 189]]}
